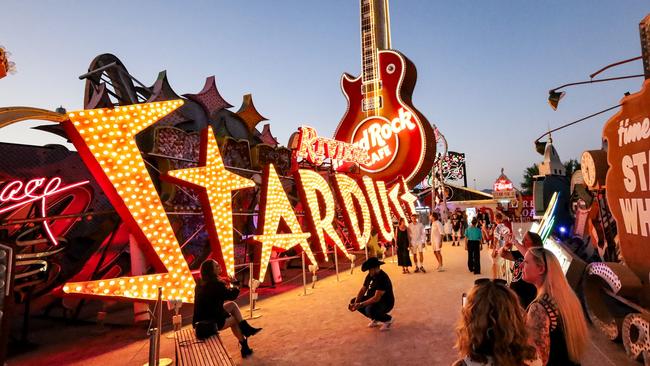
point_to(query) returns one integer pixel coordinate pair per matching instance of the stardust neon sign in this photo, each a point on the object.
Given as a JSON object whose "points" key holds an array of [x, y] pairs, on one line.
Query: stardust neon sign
{"points": [[105, 139], [316, 149], [17, 194]]}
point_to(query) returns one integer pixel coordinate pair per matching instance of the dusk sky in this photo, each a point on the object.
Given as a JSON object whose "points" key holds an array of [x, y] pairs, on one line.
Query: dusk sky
{"points": [[484, 67]]}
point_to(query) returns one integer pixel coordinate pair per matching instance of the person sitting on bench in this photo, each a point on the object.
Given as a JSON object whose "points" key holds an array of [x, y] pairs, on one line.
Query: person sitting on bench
{"points": [[214, 308]]}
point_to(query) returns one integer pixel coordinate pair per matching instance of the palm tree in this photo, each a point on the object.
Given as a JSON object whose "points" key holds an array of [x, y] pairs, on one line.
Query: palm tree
{"points": [[571, 166], [527, 184]]}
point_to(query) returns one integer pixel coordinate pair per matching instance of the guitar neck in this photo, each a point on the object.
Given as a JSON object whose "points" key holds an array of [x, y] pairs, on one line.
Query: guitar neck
{"points": [[375, 35]]}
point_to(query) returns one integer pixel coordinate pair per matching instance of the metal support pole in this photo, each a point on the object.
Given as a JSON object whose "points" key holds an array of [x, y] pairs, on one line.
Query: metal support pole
{"points": [[366, 248], [336, 264], [352, 258], [304, 274], [158, 325], [251, 292]]}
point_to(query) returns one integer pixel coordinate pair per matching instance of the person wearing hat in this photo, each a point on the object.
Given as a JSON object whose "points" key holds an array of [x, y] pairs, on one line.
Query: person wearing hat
{"points": [[375, 298]]}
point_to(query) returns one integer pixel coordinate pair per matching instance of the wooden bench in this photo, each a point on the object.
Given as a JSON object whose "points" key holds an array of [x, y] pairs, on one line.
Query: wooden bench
{"points": [[191, 351]]}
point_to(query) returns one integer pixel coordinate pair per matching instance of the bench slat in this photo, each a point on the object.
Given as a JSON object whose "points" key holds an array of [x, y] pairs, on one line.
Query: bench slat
{"points": [[190, 351]]}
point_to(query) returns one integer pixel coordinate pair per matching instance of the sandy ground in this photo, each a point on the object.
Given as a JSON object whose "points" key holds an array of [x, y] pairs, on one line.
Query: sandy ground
{"points": [[317, 328]]}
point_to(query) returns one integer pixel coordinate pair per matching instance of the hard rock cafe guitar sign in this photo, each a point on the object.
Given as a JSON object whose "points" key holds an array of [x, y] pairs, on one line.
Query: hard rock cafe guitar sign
{"points": [[380, 116]]}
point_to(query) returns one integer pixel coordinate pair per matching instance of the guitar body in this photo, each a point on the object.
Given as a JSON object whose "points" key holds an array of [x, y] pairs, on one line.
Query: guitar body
{"points": [[399, 139]]}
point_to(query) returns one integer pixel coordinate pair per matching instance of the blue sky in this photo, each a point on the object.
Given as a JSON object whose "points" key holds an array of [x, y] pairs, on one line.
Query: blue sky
{"points": [[484, 67]]}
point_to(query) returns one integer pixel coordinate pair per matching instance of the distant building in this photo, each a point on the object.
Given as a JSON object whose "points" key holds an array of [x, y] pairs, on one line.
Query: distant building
{"points": [[551, 165]]}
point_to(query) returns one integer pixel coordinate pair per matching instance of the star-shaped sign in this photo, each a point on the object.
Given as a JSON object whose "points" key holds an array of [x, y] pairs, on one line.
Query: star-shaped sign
{"points": [[218, 184], [276, 209], [105, 140]]}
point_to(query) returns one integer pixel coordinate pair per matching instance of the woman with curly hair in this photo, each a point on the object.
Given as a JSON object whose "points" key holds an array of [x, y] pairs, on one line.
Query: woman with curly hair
{"points": [[492, 329], [556, 323]]}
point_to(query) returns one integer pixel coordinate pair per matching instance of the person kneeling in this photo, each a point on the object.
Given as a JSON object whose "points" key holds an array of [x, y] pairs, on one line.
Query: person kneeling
{"points": [[214, 308], [375, 298]]}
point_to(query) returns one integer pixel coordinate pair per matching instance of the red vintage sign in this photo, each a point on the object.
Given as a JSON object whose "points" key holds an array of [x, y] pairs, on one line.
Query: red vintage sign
{"points": [[628, 177], [316, 149]]}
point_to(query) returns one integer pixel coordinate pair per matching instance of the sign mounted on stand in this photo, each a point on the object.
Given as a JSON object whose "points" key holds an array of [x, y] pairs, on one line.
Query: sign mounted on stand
{"points": [[503, 190], [380, 117], [628, 180]]}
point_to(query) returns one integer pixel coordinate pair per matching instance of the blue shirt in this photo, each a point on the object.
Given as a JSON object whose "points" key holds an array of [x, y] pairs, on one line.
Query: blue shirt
{"points": [[473, 233]]}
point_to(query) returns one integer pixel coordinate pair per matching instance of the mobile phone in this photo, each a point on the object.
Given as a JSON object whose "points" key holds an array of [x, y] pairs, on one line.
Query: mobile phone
{"points": [[463, 300]]}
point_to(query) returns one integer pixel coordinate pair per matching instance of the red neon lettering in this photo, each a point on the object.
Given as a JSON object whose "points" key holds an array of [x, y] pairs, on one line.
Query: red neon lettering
{"points": [[12, 193], [316, 149]]}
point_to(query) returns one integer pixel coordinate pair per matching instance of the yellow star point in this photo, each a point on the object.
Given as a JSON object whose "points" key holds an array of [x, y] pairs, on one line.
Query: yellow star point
{"points": [[105, 139], [218, 184]]}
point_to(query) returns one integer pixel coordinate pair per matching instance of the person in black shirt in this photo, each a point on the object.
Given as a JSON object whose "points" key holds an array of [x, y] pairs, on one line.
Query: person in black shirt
{"points": [[215, 309], [524, 290], [375, 298]]}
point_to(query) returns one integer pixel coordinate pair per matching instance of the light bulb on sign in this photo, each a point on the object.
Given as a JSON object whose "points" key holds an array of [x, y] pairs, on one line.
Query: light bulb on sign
{"points": [[309, 183], [348, 191], [379, 219], [275, 208], [217, 185], [150, 228]]}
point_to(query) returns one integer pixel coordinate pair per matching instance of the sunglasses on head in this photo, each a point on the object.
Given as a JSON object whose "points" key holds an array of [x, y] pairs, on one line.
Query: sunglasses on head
{"points": [[543, 257], [497, 281]]}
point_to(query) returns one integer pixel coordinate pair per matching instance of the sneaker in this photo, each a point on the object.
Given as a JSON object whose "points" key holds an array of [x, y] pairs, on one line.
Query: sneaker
{"points": [[374, 324], [416, 270], [422, 269], [441, 269], [386, 325]]}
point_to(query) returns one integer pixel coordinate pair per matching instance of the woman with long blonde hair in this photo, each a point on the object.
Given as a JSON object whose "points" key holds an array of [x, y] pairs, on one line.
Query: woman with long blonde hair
{"points": [[492, 328], [555, 320]]}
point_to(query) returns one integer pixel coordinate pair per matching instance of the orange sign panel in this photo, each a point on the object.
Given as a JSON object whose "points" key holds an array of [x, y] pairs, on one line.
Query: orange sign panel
{"points": [[628, 177]]}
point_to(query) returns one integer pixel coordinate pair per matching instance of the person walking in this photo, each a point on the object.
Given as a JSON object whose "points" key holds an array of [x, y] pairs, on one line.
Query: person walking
{"points": [[403, 257], [473, 236], [375, 298], [501, 232], [556, 322], [455, 226], [417, 240], [447, 227], [436, 239]]}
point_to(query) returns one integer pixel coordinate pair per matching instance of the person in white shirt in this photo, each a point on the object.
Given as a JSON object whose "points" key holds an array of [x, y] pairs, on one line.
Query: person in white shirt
{"points": [[436, 238], [448, 229], [501, 233], [417, 239]]}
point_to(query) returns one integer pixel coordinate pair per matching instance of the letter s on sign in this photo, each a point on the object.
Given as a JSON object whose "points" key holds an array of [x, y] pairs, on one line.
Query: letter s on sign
{"points": [[629, 180]]}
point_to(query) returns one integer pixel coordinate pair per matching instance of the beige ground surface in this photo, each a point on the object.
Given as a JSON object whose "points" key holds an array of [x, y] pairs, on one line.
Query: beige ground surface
{"points": [[317, 329]]}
